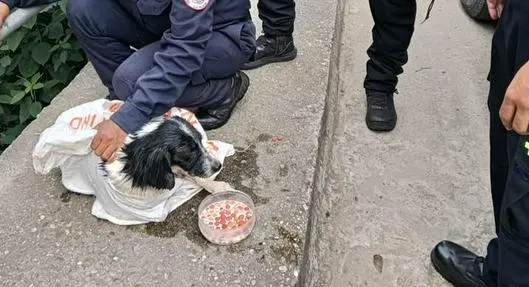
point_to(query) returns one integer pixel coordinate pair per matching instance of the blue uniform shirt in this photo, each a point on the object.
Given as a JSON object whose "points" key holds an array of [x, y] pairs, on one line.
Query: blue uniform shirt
{"points": [[182, 53]]}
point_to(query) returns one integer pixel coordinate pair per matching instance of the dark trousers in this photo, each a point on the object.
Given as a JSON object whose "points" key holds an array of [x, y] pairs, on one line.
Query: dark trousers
{"points": [[277, 16], [392, 32], [507, 261], [106, 30]]}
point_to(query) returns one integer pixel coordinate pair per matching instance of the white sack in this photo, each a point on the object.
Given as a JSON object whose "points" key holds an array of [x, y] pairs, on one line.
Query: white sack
{"points": [[66, 144]]}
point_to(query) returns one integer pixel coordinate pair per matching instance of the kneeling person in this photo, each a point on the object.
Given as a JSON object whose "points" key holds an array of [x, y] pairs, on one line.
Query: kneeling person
{"points": [[158, 54]]}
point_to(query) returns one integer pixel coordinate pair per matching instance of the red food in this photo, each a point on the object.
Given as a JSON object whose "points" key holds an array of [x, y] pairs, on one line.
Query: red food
{"points": [[226, 214]]}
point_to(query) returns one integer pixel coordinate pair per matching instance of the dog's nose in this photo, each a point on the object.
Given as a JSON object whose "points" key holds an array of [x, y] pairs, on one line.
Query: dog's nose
{"points": [[216, 165]]}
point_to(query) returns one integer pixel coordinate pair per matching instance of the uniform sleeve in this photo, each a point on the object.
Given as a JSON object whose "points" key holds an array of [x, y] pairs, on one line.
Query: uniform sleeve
{"points": [[182, 53], [26, 3]]}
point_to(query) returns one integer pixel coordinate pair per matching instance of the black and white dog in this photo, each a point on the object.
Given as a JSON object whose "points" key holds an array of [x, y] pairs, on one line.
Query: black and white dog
{"points": [[153, 156]]}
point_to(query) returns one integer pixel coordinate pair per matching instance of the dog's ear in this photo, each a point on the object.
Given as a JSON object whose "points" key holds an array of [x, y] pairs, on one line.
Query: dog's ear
{"points": [[157, 170]]}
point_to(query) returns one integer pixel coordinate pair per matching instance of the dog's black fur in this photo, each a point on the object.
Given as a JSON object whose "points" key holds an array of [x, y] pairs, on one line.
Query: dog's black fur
{"points": [[147, 157]]}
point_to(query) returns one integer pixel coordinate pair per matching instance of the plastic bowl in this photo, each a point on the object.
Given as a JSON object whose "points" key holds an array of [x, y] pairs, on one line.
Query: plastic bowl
{"points": [[226, 217]]}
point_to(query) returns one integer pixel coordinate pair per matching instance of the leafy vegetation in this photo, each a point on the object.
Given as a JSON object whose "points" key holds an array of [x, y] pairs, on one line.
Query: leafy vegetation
{"points": [[36, 63]]}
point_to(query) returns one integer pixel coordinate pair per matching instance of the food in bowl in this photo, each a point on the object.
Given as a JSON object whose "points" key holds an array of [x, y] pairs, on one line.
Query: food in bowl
{"points": [[226, 217]]}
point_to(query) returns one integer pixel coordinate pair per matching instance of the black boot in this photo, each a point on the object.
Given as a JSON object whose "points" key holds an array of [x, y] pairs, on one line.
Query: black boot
{"points": [[458, 265], [381, 114], [214, 117], [271, 49]]}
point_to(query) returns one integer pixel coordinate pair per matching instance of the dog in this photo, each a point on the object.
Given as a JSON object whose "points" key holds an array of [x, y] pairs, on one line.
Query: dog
{"points": [[161, 150]]}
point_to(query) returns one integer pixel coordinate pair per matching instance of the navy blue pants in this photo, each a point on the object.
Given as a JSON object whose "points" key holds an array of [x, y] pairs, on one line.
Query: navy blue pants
{"points": [[507, 261], [106, 30], [278, 16], [392, 32]]}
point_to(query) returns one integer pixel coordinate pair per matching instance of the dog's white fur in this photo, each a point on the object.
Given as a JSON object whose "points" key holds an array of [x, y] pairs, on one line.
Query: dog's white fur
{"points": [[122, 183]]}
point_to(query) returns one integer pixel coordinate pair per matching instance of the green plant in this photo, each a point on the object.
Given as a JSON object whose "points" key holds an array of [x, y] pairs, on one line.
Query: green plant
{"points": [[36, 63]]}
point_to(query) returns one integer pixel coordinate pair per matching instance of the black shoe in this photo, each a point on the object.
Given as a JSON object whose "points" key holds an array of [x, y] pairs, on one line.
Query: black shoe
{"points": [[458, 265], [214, 117], [271, 49], [381, 114]]}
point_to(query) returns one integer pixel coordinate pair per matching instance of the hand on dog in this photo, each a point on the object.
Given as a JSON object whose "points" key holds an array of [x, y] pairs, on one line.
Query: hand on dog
{"points": [[108, 139], [514, 111]]}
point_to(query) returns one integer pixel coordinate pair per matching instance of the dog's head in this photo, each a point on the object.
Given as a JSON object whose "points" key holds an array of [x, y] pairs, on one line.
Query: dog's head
{"points": [[149, 155]]}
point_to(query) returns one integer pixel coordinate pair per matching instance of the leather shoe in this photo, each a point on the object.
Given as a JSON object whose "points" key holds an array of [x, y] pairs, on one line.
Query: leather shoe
{"points": [[272, 49], [458, 265], [214, 117], [381, 114]]}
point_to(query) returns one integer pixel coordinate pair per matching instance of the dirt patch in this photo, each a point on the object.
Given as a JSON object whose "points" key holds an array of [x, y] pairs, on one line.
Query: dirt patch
{"points": [[289, 246], [240, 167], [183, 219], [65, 196], [378, 261], [264, 138], [283, 170]]}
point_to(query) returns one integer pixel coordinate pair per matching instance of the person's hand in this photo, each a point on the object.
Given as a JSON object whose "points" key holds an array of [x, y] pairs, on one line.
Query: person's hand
{"points": [[514, 111], [4, 12], [108, 139], [495, 8]]}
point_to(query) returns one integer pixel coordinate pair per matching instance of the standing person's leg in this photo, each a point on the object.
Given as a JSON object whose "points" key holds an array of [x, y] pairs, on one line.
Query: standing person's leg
{"points": [[278, 16], [276, 44], [392, 32], [106, 34], [507, 259], [511, 256], [500, 155]]}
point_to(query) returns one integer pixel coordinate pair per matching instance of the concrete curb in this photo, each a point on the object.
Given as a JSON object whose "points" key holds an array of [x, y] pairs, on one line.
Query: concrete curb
{"points": [[309, 266]]}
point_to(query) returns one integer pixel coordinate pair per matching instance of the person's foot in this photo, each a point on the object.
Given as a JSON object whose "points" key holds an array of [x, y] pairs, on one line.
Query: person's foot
{"points": [[458, 265], [381, 115], [214, 117], [271, 49]]}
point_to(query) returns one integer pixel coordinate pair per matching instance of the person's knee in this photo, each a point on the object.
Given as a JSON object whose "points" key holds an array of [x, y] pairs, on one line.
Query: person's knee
{"points": [[123, 82], [80, 13]]}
